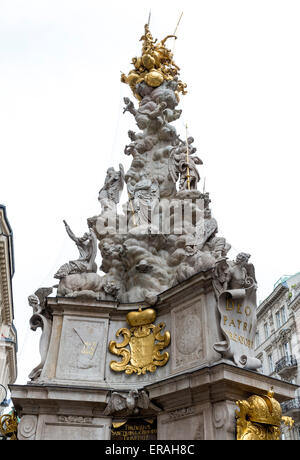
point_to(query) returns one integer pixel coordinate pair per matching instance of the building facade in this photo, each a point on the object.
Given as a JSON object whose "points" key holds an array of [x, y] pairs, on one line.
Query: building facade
{"points": [[8, 336], [278, 341]]}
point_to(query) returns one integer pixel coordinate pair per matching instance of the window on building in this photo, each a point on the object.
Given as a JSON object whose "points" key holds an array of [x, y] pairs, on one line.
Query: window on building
{"points": [[286, 349], [271, 365], [257, 339], [278, 319], [262, 369], [283, 315], [266, 328]]}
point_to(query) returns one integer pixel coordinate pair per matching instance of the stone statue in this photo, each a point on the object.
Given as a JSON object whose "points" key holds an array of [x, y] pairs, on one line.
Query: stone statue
{"points": [[155, 114], [139, 144], [182, 164], [242, 274], [146, 258], [235, 290], [109, 195], [129, 107], [144, 195], [79, 277], [130, 402], [222, 276], [209, 241], [80, 285], [188, 259], [237, 274], [41, 318], [87, 246]]}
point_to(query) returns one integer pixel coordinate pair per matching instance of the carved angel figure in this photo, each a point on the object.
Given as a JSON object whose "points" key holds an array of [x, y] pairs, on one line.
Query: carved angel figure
{"points": [[242, 274], [132, 402], [110, 193], [237, 274]]}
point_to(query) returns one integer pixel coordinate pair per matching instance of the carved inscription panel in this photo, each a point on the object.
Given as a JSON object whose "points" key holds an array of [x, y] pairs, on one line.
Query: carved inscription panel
{"points": [[82, 349], [70, 427], [186, 424], [187, 336]]}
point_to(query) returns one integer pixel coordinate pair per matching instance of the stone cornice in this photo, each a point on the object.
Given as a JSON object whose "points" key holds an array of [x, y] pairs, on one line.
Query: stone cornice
{"points": [[11, 358], [8, 235], [27, 398], [295, 304], [6, 295], [5, 284], [220, 381], [271, 299]]}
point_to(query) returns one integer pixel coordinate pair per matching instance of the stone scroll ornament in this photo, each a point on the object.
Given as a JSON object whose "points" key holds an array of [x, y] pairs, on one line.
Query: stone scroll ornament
{"points": [[41, 318], [145, 342], [236, 295]]}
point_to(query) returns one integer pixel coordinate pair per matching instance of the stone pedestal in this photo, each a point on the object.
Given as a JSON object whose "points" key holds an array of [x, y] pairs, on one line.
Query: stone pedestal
{"points": [[202, 404], [193, 396]]}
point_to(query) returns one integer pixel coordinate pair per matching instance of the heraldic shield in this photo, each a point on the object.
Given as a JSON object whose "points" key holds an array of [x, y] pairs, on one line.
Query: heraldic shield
{"points": [[145, 342]]}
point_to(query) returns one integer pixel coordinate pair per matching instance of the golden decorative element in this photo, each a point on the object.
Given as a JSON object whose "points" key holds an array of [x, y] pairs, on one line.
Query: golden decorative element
{"points": [[144, 354], [154, 66], [118, 424], [259, 418], [288, 421], [9, 425]]}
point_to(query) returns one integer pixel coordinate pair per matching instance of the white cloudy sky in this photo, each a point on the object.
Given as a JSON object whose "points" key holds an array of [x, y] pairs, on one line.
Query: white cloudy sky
{"points": [[62, 125]]}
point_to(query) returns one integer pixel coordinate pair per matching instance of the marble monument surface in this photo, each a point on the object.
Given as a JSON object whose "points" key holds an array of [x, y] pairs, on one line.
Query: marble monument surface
{"points": [[165, 327]]}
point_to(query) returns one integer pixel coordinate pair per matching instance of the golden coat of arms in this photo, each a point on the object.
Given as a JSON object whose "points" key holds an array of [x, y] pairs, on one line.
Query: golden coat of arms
{"points": [[145, 342]]}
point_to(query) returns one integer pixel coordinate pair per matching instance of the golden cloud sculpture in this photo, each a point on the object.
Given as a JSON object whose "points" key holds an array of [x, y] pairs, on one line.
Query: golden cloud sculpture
{"points": [[154, 66]]}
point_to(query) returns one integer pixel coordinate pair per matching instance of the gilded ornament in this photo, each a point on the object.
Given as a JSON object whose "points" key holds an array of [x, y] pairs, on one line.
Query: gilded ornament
{"points": [[9, 425], [259, 418], [155, 66], [145, 344], [154, 78]]}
